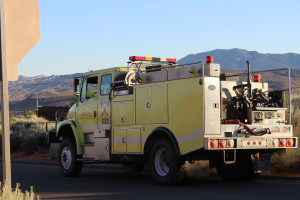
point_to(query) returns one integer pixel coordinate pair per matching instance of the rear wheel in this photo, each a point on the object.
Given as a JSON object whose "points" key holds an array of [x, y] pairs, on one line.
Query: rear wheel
{"points": [[165, 166], [242, 169], [67, 159]]}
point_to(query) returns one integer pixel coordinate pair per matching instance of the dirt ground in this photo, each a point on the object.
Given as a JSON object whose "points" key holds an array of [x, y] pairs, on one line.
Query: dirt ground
{"points": [[38, 157]]}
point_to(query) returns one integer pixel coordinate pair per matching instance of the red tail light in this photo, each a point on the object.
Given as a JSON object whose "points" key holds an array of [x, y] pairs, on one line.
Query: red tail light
{"points": [[282, 142], [222, 144]]}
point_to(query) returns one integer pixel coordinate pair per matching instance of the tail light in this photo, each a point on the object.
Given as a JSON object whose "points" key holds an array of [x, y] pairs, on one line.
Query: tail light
{"points": [[222, 144], [230, 143], [275, 142], [214, 144], [282, 142], [290, 142]]}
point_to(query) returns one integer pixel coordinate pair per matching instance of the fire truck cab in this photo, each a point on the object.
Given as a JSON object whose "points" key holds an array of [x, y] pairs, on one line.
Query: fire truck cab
{"points": [[180, 120]]}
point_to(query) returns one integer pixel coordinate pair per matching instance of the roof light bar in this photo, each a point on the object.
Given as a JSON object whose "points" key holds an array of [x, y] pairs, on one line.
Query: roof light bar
{"points": [[152, 59]]}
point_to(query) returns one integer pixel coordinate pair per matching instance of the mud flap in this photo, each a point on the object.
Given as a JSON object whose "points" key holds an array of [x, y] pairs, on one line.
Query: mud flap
{"points": [[197, 168], [261, 162]]}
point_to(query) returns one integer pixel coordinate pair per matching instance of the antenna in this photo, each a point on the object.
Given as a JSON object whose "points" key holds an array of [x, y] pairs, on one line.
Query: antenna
{"points": [[88, 57], [106, 49]]}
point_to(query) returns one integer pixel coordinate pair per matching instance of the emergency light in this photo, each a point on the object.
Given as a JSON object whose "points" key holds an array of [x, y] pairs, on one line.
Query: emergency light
{"points": [[256, 78], [209, 59], [152, 59]]}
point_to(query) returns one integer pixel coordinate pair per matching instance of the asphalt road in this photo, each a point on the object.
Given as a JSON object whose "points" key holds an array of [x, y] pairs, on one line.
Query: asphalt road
{"points": [[114, 184]]}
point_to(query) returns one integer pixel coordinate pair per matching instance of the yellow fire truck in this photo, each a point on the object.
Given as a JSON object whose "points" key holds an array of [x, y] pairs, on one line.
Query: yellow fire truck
{"points": [[180, 120]]}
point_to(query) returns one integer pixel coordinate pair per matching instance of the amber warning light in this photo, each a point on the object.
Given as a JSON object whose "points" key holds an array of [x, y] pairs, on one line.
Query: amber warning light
{"points": [[209, 59]]}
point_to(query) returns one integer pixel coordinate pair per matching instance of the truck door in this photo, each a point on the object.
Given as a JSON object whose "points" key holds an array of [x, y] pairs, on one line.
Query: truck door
{"points": [[88, 106], [104, 104]]}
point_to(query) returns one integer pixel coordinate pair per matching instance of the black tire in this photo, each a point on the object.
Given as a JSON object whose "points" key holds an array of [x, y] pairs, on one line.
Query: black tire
{"points": [[133, 167], [67, 159], [241, 170], [165, 166]]}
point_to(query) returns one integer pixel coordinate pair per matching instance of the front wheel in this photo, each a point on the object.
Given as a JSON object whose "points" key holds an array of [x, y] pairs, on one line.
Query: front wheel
{"points": [[67, 159], [165, 166]]}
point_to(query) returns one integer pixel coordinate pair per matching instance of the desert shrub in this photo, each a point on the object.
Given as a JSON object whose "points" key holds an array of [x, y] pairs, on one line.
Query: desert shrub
{"points": [[7, 193], [29, 134], [289, 159]]}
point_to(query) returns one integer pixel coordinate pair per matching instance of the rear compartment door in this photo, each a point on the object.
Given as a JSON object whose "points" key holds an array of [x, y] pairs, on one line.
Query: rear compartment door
{"points": [[212, 106]]}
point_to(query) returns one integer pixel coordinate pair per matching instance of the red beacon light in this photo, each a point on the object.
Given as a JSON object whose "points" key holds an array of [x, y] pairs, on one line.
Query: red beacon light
{"points": [[257, 78], [209, 59]]}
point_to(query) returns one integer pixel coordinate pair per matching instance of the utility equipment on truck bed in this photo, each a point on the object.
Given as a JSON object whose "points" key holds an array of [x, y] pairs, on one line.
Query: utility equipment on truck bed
{"points": [[178, 119]]}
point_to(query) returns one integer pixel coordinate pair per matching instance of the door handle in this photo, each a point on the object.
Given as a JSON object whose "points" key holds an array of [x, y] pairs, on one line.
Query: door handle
{"points": [[95, 114]]}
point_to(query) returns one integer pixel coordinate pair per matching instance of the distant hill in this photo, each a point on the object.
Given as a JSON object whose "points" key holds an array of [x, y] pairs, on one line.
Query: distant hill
{"points": [[236, 59], [56, 90], [41, 86], [30, 102]]}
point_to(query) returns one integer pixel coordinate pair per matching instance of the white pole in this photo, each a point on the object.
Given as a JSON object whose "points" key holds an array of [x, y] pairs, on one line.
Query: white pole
{"points": [[4, 103]]}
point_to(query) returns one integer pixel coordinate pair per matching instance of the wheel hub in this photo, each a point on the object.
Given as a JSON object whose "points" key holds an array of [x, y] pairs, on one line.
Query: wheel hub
{"points": [[66, 158], [162, 162]]}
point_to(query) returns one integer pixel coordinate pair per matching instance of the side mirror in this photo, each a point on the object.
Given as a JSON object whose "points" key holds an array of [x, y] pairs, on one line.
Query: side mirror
{"points": [[76, 84], [76, 89], [77, 96]]}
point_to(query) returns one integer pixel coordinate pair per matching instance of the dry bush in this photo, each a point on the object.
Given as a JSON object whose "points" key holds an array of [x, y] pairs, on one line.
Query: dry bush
{"points": [[29, 134], [8, 193], [289, 159]]}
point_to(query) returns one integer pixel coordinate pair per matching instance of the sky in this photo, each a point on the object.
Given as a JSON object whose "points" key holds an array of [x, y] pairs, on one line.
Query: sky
{"points": [[82, 35]]}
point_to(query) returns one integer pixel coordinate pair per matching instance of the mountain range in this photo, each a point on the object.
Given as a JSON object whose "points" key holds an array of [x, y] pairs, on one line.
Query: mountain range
{"points": [[57, 90], [236, 59]]}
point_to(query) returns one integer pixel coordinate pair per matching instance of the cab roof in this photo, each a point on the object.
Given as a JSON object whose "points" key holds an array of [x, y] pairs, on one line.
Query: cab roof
{"points": [[104, 71]]}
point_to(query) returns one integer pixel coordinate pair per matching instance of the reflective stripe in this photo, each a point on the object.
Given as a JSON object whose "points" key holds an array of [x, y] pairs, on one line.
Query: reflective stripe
{"points": [[105, 127], [89, 127], [190, 136]]}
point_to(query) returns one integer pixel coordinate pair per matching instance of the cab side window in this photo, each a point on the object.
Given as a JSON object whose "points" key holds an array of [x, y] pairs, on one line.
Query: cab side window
{"points": [[105, 84], [89, 88]]}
